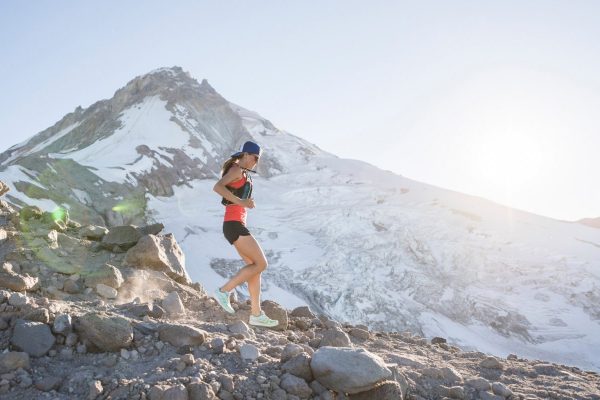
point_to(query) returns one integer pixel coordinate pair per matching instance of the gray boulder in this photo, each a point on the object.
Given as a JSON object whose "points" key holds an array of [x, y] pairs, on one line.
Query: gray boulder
{"points": [[217, 345], [249, 351], [335, 338], [161, 253], [62, 324], [181, 335], [34, 338], [38, 314], [18, 299], [17, 282], [277, 312], [72, 245], [389, 390], [173, 304], [153, 229], [438, 340], [108, 333], [167, 392], [489, 396], [302, 312], [478, 383], [491, 363], [290, 350], [240, 327], [13, 360], [201, 391], [501, 389], [106, 291], [359, 333], [93, 232], [299, 365], [72, 286], [106, 274], [295, 386], [124, 236], [348, 370], [150, 309], [447, 374]]}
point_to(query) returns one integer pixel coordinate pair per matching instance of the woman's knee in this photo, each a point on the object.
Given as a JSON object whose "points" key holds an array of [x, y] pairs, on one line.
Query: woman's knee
{"points": [[261, 264]]}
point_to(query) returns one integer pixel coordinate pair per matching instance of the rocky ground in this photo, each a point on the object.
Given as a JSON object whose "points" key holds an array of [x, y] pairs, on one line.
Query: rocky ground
{"points": [[93, 313]]}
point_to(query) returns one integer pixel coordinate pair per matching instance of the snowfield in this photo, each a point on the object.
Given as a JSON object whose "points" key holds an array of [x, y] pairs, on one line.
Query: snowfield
{"points": [[403, 255]]}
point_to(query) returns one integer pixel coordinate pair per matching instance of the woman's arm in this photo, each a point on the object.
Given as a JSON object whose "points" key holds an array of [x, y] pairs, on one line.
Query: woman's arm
{"points": [[235, 173]]}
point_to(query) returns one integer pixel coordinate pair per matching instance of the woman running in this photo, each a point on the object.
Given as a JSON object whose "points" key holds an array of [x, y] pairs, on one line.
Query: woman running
{"points": [[235, 187]]}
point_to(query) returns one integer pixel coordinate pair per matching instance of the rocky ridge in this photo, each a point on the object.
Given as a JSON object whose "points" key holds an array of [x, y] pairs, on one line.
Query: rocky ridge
{"points": [[88, 312]]}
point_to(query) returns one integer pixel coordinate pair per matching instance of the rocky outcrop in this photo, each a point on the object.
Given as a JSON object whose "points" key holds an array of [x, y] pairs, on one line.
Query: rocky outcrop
{"points": [[161, 253]]}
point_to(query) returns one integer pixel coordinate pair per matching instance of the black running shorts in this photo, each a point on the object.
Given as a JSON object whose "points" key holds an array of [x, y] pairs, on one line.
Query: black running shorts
{"points": [[233, 230]]}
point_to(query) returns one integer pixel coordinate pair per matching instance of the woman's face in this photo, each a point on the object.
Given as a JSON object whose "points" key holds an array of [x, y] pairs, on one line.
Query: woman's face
{"points": [[249, 160]]}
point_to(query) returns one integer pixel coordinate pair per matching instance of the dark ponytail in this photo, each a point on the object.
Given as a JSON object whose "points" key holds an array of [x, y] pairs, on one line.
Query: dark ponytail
{"points": [[229, 163]]}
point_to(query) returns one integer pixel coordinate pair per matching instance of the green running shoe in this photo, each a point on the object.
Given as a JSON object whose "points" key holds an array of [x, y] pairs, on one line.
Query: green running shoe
{"points": [[263, 320], [223, 299]]}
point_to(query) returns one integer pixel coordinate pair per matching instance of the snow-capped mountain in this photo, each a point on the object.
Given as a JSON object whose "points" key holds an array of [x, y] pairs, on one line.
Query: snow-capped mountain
{"points": [[350, 240]]}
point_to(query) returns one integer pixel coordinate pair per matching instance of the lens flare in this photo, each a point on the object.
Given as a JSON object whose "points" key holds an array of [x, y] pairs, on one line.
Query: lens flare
{"points": [[128, 207], [59, 214]]}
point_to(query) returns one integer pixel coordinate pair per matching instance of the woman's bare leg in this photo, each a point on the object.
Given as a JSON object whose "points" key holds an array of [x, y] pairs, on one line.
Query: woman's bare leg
{"points": [[253, 288], [251, 252]]}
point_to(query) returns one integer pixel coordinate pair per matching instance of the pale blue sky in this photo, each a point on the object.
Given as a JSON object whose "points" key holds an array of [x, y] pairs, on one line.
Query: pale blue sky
{"points": [[493, 98]]}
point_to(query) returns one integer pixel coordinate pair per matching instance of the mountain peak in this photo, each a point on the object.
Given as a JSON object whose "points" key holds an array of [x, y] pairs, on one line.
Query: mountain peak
{"points": [[160, 79], [174, 72], [169, 83], [206, 87]]}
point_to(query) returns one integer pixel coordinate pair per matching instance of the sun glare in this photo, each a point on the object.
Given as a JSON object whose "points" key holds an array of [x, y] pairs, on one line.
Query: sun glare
{"points": [[508, 159]]}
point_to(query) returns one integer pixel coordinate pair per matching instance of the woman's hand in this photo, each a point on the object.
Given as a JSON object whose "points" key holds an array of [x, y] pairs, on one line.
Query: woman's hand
{"points": [[248, 203]]}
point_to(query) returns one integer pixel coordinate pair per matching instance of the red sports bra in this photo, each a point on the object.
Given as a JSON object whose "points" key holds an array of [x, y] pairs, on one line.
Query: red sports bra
{"points": [[234, 212]]}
